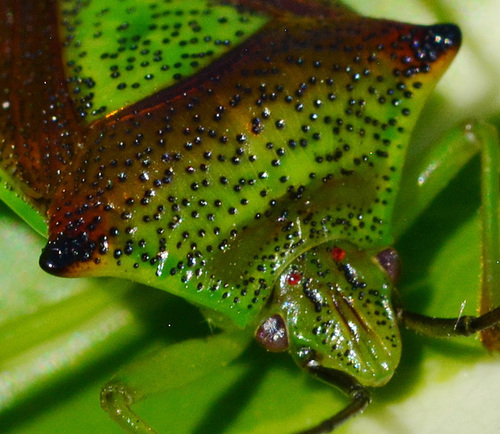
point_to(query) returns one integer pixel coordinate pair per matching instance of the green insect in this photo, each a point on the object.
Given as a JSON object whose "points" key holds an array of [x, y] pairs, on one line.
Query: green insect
{"points": [[246, 156]]}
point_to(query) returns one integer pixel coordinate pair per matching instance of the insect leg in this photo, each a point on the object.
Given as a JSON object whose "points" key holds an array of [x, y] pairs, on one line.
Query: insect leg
{"points": [[166, 370], [359, 395], [450, 327], [490, 242], [424, 180]]}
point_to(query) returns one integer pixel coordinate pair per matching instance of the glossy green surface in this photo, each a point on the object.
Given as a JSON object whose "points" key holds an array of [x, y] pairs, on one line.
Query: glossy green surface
{"points": [[121, 52], [353, 325], [208, 189]]}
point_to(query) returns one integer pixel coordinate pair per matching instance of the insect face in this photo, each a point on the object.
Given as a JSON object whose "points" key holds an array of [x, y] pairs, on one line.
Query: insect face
{"points": [[336, 302]]}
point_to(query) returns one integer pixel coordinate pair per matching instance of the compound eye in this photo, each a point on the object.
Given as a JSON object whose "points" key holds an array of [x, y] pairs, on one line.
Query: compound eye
{"points": [[272, 334], [390, 262]]}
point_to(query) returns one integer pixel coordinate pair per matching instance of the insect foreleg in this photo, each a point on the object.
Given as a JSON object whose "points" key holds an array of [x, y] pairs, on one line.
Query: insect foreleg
{"points": [[166, 370], [422, 182], [359, 395]]}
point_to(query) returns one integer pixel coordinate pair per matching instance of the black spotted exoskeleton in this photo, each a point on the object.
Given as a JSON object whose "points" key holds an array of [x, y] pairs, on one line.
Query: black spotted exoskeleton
{"points": [[246, 156]]}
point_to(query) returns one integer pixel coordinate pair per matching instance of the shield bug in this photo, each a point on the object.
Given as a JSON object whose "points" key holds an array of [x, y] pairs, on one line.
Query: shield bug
{"points": [[294, 238]]}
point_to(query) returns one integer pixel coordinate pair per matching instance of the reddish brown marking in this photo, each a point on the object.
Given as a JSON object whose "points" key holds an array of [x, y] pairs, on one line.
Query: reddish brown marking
{"points": [[294, 278], [310, 8], [337, 254], [38, 127]]}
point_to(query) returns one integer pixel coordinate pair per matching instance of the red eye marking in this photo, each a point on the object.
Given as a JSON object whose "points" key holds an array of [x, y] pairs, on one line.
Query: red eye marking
{"points": [[338, 254], [293, 278]]}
